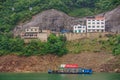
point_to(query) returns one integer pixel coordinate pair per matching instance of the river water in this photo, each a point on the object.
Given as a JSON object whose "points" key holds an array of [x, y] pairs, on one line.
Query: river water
{"points": [[45, 76]]}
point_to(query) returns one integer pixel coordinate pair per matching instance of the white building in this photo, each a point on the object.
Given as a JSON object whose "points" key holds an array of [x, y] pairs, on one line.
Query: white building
{"points": [[35, 33], [95, 24], [79, 29], [30, 32], [32, 29]]}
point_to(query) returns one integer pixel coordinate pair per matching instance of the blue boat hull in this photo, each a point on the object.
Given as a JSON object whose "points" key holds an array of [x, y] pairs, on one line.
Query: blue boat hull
{"points": [[81, 71]]}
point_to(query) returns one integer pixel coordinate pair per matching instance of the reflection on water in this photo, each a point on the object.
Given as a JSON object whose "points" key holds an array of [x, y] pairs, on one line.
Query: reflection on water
{"points": [[45, 76]]}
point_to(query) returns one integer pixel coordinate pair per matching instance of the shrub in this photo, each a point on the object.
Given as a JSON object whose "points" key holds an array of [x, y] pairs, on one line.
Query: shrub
{"points": [[56, 45], [116, 50], [33, 48]]}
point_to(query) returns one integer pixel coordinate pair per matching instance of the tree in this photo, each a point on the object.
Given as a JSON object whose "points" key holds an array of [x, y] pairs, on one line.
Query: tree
{"points": [[116, 49], [33, 48], [56, 45]]}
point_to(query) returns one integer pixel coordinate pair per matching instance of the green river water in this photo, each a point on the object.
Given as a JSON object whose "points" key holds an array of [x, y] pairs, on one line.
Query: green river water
{"points": [[45, 76]]}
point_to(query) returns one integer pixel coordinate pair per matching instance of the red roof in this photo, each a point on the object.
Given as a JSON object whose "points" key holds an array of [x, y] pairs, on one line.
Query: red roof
{"points": [[99, 18], [96, 18], [71, 66]]}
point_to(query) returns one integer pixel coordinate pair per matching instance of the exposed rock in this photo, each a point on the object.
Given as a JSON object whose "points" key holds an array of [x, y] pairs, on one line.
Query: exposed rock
{"points": [[112, 65], [113, 20], [117, 70], [43, 63], [50, 19], [56, 20], [102, 70]]}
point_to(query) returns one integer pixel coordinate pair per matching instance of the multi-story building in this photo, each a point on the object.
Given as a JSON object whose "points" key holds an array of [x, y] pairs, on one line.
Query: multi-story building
{"points": [[31, 32], [79, 28], [95, 24], [35, 33]]}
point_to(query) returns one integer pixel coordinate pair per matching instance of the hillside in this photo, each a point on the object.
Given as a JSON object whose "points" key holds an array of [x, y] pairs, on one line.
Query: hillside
{"points": [[56, 20], [13, 12], [52, 19], [18, 56], [113, 20], [89, 53], [99, 62]]}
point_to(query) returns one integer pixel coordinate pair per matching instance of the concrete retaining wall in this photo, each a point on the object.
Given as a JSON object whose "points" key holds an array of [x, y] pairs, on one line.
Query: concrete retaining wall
{"points": [[74, 36]]}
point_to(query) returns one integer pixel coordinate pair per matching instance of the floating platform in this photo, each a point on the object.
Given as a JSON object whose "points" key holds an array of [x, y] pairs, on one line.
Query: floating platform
{"points": [[70, 69]]}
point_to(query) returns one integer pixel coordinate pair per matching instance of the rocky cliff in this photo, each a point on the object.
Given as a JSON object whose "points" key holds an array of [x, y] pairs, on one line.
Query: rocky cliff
{"points": [[113, 20], [50, 19], [56, 21]]}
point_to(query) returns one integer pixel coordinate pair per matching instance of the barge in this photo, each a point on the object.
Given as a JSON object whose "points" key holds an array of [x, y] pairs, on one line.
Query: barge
{"points": [[70, 69]]}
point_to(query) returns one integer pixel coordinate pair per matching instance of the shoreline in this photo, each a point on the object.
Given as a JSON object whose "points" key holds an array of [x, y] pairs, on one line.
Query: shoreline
{"points": [[99, 62]]}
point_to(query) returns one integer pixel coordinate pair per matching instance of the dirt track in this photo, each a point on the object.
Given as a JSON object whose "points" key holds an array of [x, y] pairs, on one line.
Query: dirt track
{"points": [[96, 61]]}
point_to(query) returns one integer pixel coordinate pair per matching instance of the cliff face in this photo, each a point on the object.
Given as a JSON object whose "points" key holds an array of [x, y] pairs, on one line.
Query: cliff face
{"points": [[55, 20], [113, 20], [50, 19]]}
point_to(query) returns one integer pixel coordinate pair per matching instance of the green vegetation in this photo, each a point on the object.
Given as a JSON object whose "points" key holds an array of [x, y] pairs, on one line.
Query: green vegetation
{"points": [[116, 43], [9, 44], [108, 44], [14, 11], [59, 46], [55, 45]]}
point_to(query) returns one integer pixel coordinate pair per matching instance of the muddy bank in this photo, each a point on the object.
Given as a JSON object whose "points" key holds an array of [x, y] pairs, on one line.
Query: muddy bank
{"points": [[97, 61], [112, 65]]}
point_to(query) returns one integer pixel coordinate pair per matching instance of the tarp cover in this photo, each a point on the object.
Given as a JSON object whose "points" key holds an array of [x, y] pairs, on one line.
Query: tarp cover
{"points": [[71, 66]]}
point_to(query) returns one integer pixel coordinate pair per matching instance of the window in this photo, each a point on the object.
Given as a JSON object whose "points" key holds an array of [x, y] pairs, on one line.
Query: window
{"points": [[31, 34], [27, 30], [97, 30], [31, 29], [98, 26], [89, 23], [89, 26], [93, 26], [35, 29], [102, 26], [93, 23], [75, 30], [93, 30], [98, 23], [79, 30], [89, 30], [89, 20], [102, 30], [79, 26]]}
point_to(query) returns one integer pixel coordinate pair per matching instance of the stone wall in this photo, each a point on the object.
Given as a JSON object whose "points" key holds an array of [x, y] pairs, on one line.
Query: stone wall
{"points": [[75, 36], [71, 36], [43, 36]]}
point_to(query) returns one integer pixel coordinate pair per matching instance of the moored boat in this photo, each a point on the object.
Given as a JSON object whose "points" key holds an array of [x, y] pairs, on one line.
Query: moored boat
{"points": [[70, 69]]}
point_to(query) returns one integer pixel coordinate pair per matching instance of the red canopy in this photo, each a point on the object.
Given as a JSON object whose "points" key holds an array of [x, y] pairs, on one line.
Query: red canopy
{"points": [[71, 66]]}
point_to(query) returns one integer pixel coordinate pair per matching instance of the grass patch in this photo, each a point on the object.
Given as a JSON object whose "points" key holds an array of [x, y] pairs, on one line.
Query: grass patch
{"points": [[89, 45], [81, 12]]}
